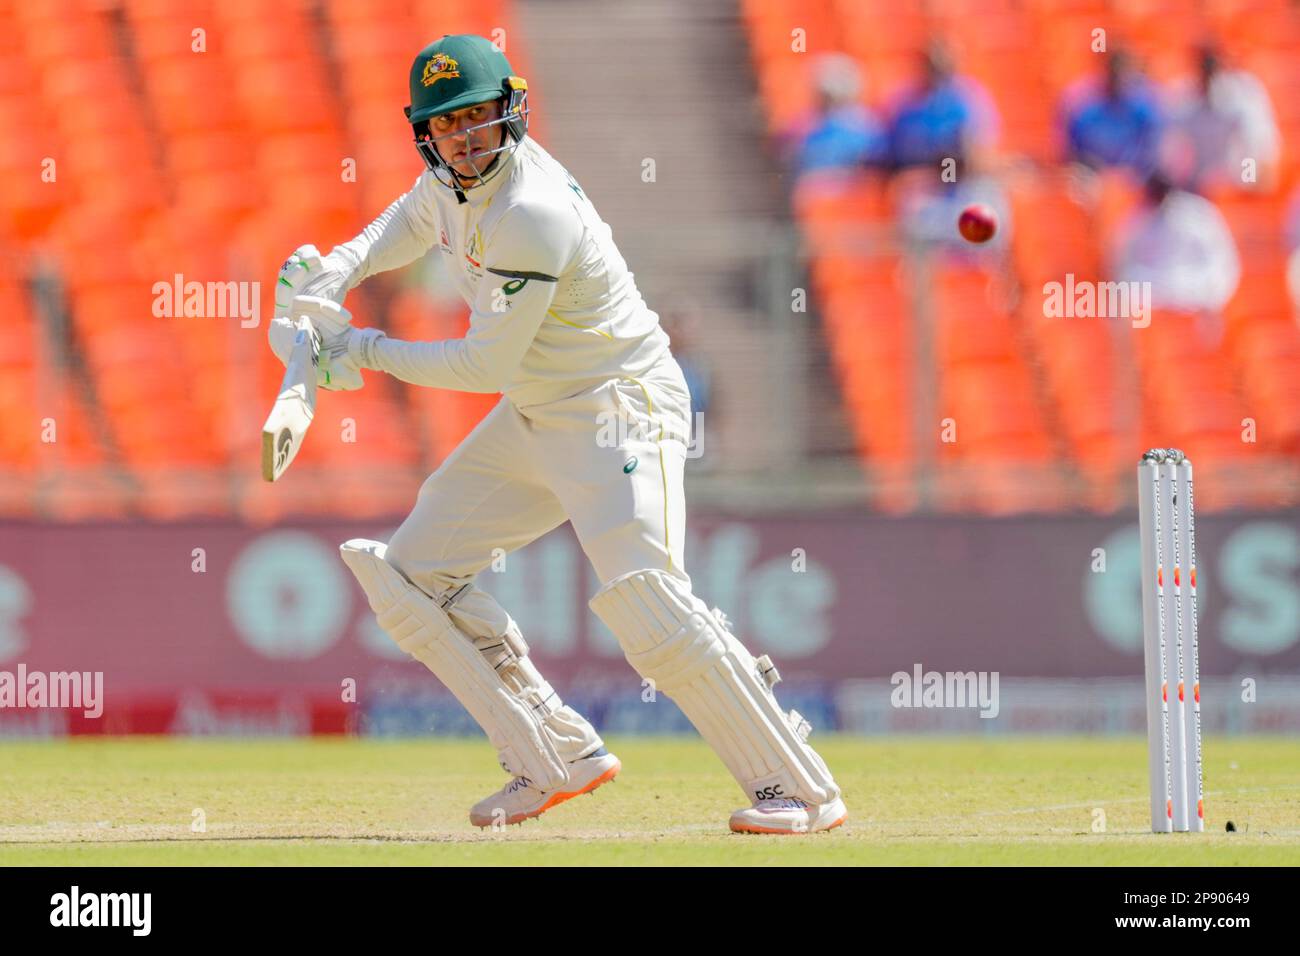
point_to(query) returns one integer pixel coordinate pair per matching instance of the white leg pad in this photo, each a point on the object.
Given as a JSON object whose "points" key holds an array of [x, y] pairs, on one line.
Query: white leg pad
{"points": [[485, 622], [672, 638], [422, 629]]}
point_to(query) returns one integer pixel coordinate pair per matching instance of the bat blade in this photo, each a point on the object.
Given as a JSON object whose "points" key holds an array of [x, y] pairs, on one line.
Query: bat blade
{"points": [[295, 406]]}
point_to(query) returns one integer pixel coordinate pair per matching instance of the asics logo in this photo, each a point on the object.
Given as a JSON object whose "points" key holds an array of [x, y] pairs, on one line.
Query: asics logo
{"points": [[283, 445]]}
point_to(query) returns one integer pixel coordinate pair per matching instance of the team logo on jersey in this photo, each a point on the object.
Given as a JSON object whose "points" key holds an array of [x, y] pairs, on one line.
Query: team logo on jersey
{"points": [[440, 67], [474, 253], [443, 241]]}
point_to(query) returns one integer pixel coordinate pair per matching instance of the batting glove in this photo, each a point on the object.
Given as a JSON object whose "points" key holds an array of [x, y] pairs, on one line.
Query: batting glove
{"points": [[345, 350], [307, 272]]}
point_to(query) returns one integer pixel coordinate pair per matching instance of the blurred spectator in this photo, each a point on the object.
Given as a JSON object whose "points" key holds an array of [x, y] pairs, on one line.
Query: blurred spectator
{"points": [[1114, 122], [1216, 121], [680, 319], [1292, 225], [1292, 228], [1180, 243], [843, 133], [948, 116]]}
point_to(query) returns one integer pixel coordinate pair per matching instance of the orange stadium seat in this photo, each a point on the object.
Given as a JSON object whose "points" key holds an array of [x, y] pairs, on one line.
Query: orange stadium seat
{"points": [[1270, 351], [19, 383], [829, 199], [1053, 234], [1188, 391], [1081, 375], [176, 85], [867, 327]]}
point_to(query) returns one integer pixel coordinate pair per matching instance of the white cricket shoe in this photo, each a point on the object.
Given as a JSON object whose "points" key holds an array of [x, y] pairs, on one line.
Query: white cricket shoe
{"points": [[789, 815], [519, 800]]}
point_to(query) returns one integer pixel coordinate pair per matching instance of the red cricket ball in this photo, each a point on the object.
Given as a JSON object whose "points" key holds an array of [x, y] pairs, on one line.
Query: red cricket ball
{"points": [[977, 223]]}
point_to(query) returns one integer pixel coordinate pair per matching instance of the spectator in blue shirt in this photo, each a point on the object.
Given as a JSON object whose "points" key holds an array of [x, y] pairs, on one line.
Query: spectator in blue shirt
{"points": [[680, 318], [1116, 122], [947, 117], [843, 133]]}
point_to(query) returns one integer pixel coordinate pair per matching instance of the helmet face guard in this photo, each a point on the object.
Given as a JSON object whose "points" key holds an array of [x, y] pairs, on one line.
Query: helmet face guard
{"points": [[486, 165]]}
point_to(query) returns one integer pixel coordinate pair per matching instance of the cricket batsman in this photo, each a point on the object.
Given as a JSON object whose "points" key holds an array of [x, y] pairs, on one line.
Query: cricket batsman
{"points": [[558, 327]]}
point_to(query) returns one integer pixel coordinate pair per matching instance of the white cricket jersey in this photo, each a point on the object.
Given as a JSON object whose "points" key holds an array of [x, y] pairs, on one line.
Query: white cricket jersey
{"points": [[554, 308]]}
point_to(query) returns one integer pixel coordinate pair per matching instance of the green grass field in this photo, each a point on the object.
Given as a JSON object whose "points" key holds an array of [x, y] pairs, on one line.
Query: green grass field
{"points": [[920, 801]]}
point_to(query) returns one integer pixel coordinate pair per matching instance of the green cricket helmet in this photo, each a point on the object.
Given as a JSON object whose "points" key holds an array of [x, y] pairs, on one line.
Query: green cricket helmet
{"points": [[452, 73]]}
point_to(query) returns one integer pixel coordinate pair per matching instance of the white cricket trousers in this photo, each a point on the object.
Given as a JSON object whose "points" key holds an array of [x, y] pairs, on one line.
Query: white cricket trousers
{"points": [[609, 459]]}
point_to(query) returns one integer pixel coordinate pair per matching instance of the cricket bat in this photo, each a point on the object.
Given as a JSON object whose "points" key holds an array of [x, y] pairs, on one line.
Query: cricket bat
{"points": [[295, 406]]}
